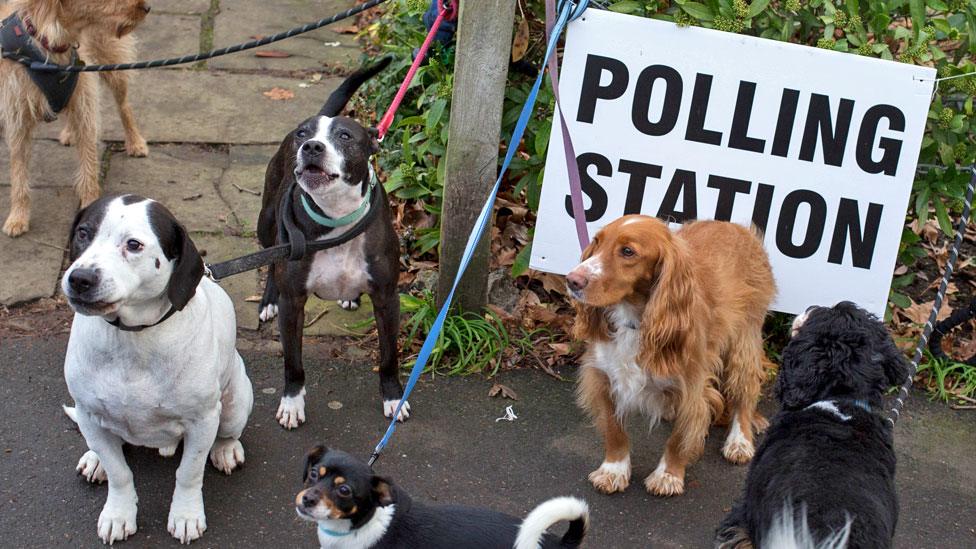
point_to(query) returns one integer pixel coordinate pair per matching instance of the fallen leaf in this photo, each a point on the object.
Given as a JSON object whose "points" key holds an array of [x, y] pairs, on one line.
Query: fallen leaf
{"points": [[503, 390], [193, 197], [253, 299], [279, 94], [520, 44], [274, 54]]}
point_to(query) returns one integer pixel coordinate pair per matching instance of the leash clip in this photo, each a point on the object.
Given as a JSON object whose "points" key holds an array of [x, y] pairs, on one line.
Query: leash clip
{"points": [[209, 274]]}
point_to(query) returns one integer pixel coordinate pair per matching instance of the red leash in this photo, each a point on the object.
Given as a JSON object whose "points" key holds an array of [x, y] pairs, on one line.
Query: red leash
{"points": [[447, 11]]}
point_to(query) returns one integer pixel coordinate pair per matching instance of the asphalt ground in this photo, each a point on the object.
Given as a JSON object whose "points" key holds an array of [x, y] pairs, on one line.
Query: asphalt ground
{"points": [[451, 450]]}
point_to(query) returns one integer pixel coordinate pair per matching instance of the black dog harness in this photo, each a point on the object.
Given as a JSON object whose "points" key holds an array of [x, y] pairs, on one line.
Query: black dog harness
{"points": [[57, 87]]}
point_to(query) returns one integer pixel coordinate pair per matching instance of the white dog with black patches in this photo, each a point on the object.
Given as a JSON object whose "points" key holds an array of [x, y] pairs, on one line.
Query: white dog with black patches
{"points": [[151, 360]]}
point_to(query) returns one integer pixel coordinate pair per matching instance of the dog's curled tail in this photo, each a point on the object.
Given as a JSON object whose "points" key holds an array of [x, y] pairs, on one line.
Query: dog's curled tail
{"points": [[338, 99], [70, 412], [550, 512], [785, 533]]}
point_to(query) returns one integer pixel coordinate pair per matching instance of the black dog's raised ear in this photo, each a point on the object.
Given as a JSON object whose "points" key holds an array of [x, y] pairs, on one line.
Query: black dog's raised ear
{"points": [[311, 458], [382, 491], [374, 140], [187, 271]]}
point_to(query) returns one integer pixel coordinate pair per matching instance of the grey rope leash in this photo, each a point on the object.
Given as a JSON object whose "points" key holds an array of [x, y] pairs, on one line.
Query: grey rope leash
{"points": [[939, 297]]}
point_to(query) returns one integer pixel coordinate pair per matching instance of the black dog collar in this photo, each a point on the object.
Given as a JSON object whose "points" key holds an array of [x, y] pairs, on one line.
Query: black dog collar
{"points": [[126, 328], [57, 87]]}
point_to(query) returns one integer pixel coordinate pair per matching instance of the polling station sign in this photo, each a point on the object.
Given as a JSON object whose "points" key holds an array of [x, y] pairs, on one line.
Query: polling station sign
{"points": [[816, 148]]}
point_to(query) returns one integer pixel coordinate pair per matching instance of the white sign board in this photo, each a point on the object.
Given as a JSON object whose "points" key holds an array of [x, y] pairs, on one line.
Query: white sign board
{"points": [[817, 148]]}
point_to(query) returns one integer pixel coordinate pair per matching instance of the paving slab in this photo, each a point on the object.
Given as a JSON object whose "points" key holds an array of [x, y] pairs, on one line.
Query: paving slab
{"points": [[450, 451], [179, 6], [183, 177], [242, 21], [164, 35], [30, 264], [51, 165], [240, 287], [242, 183], [183, 105]]}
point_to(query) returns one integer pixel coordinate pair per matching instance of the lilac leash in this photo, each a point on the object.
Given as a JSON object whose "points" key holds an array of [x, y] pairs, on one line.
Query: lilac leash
{"points": [[572, 169]]}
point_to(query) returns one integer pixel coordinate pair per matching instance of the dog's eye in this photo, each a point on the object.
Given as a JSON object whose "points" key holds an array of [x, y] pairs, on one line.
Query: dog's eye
{"points": [[133, 245], [627, 251], [313, 474], [82, 233], [301, 133], [345, 491], [345, 136]]}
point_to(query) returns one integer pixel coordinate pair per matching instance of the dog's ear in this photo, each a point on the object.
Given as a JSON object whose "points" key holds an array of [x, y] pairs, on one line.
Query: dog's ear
{"points": [[187, 271], [892, 360], [671, 315], [374, 140], [382, 491], [798, 382], [311, 458]]}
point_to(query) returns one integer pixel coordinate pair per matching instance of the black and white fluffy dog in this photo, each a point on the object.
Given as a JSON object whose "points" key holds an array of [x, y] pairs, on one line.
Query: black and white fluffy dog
{"points": [[824, 476], [151, 360], [322, 173], [356, 509]]}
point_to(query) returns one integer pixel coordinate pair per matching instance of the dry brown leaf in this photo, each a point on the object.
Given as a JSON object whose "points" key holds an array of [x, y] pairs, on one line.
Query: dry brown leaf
{"points": [[274, 54], [520, 44], [561, 349], [253, 298], [279, 94], [919, 312], [505, 391]]}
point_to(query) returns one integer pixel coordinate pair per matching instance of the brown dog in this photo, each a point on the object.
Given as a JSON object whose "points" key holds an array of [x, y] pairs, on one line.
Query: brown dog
{"points": [[53, 28], [673, 323]]}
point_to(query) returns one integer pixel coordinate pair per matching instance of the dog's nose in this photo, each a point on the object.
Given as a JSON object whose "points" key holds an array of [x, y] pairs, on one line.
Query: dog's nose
{"points": [[577, 281], [309, 500], [313, 148], [82, 280], [146, 9]]}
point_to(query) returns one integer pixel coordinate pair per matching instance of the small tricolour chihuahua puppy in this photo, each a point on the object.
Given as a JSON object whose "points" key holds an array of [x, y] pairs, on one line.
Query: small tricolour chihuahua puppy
{"points": [[357, 509]]}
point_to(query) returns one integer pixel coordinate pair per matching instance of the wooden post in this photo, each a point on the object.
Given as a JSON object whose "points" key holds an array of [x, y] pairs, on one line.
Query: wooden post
{"points": [[484, 43]]}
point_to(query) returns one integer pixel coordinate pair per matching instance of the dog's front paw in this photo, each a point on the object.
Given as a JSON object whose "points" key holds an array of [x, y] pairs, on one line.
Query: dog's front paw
{"points": [[291, 411], [137, 147], [268, 312], [90, 467], [738, 448], [390, 406], [187, 520], [227, 454], [612, 476], [350, 305], [16, 225], [663, 483], [118, 519]]}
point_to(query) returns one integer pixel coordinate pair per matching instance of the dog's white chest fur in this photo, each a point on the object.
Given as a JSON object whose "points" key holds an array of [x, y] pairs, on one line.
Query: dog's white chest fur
{"points": [[340, 273], [633, 389]]}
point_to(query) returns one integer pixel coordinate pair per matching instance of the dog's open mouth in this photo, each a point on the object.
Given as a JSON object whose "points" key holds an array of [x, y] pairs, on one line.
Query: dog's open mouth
{"points": [[315, 175]]}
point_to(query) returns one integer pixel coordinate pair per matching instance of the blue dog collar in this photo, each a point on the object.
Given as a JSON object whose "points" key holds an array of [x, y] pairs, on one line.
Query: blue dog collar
{"points": [[333, 533]]}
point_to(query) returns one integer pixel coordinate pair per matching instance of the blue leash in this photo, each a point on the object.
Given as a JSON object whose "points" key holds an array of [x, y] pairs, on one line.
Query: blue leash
{"points": [[567, 12]]}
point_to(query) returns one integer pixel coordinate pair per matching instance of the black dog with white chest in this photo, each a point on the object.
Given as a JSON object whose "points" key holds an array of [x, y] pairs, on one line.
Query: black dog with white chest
{"points": [[319, 185], [357, 509], [825, 474]]}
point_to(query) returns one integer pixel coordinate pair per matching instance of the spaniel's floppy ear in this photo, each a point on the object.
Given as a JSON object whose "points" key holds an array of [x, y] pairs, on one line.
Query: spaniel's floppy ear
{"points": [[797, 382], [311, 458], [668, 321], [893, 361], [187, 271], [382, 491]]}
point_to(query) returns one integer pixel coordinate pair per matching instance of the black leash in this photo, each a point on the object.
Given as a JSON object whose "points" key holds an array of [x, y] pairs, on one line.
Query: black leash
{"points": [[50, 67], [958, 317], [296, 246], [930, 324]]}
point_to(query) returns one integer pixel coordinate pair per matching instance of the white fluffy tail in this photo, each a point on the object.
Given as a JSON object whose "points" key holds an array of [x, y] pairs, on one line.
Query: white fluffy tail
{"points": [[786, 534], [550, 512], [70, 412]]}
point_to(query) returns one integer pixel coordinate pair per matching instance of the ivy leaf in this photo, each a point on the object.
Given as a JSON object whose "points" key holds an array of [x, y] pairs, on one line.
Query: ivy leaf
{"points": [[918, 15], [625, 6], [943, 216], [698, 11], [900, 300], [521, 264], [756, 8]]}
